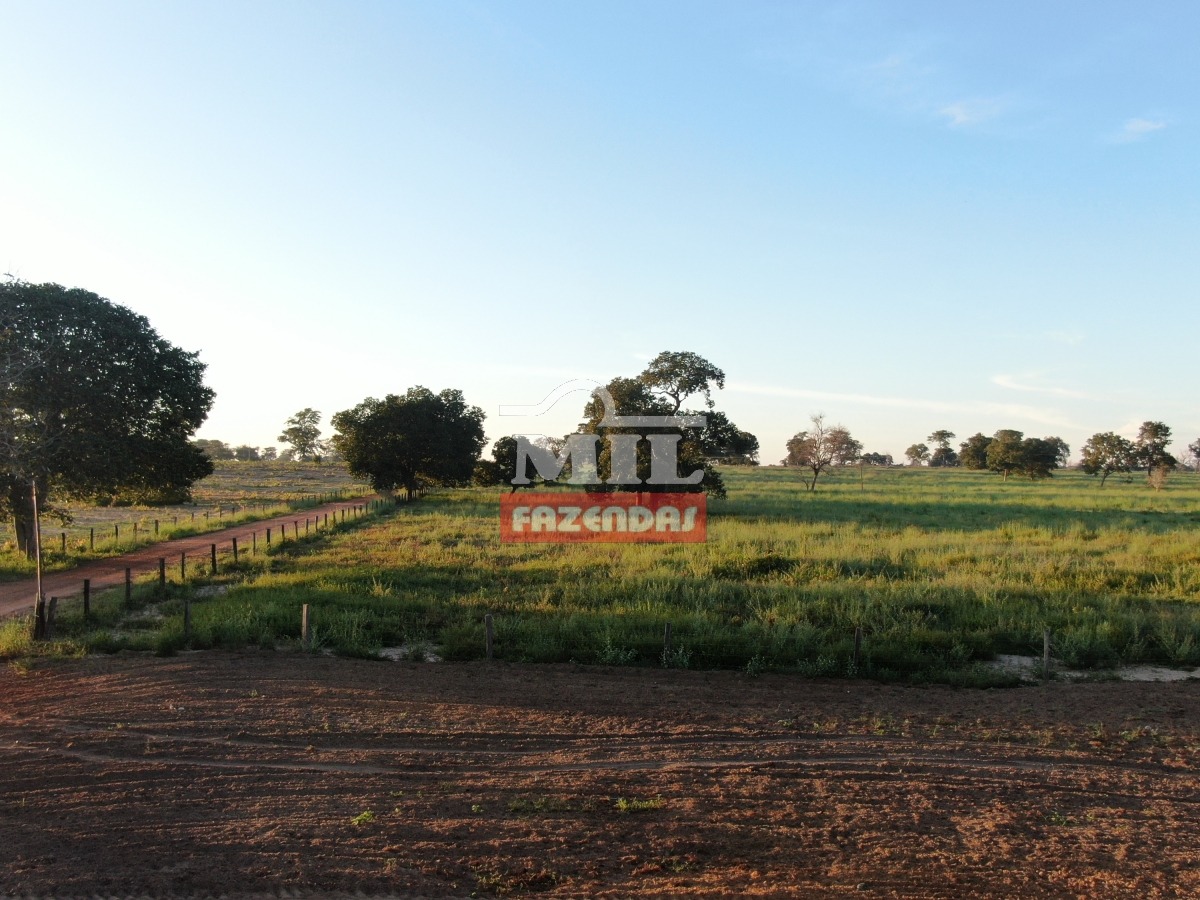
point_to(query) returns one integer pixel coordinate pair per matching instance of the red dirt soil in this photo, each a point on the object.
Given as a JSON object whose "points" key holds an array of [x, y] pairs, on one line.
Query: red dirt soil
{"points": [[215, 773]]}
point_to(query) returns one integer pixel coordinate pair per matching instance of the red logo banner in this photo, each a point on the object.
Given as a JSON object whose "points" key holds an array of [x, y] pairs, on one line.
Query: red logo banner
{"points": [[576, 518]]}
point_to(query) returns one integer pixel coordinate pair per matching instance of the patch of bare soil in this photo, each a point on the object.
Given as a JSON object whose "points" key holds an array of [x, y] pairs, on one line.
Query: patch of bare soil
{"points": [[267, 773]]}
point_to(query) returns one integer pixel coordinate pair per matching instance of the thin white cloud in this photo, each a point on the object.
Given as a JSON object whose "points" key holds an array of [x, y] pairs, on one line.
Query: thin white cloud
{"points": [[1138, 129], [997, 410], [1064, 337], [964, 113], [1011, 382]]}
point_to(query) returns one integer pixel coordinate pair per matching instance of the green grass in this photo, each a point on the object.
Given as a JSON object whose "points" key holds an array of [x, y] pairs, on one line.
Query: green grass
{"points": [[941, 570], [236, 492]]}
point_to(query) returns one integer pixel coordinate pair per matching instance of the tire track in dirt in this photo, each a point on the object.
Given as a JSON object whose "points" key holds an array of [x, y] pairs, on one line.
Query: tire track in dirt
{"points": [[17, 597], [234, 773], [878, 758]]}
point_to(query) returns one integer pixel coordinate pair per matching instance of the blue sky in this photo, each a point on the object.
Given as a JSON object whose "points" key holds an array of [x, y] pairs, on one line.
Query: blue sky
{"points": [[906, 216]]}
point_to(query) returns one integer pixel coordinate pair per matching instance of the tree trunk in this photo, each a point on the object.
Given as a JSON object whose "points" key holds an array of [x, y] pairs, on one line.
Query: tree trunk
{"points": [[21, 503]]}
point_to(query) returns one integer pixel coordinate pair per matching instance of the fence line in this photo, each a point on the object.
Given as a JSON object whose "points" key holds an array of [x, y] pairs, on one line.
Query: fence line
{"points": [[46, 608], [148, 529]]}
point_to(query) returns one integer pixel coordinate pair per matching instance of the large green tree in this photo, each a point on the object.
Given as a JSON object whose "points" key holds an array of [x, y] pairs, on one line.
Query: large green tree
{"points": [[1004, 452], [93, 404], [1150, 447], [973, 451], [917, 454], [634, 397], [1040, 456], [677, 375], [725, 443], [1107, 452], [1010, 451], [661, 390], [415, 441], [303, 432], [942, 455]]}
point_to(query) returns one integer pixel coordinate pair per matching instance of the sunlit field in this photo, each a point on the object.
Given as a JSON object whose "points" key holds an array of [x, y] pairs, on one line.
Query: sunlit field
{"points": [[235, 492], [941, 569]]}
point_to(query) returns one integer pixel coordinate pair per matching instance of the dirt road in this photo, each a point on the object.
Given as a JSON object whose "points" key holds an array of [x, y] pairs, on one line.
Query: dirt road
{"points": [[223, 774], [18, 596]]}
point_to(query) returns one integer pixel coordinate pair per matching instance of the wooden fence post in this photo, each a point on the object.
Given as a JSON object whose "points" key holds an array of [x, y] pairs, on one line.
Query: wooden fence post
{"points": [[268, 537], [235, 553], [128, 585], [92, 539], [64, 543], [490, 635], [182, 567], [305, 627], [87, 598], [253, 542], [39, 618], [156, 527], [214, 558], [51, 614]]}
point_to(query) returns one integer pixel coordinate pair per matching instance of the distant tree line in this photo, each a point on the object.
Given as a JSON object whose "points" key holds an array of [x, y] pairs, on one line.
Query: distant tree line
{"points": [[1007, 452], [302, 431]]}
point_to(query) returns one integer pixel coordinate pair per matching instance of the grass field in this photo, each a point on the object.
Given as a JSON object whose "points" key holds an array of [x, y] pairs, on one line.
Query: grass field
{"points": [[941, 569], [235, 492]]}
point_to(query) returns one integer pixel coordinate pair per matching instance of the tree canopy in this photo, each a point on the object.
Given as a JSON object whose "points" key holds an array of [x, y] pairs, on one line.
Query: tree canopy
{"points": [[680, 374], [214, 449], [973, 451], [725, 443], [93, 403], [942, 454], [1105, 453], [820, 447], [1010, 451], [415, 441], [635, 397], [917, 454], [303, 432], [1150, 447]]}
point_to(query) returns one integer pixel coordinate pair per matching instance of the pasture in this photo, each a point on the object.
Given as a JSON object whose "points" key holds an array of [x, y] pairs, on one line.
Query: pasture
{"points": [[235, 492], [940, 569]]}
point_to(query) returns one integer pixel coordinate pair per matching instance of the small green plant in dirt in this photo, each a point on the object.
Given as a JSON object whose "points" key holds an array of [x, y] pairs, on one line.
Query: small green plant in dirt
{"points": [[527, 806], [612, 655], [624, 805], [677, 657], [366, 817]]}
